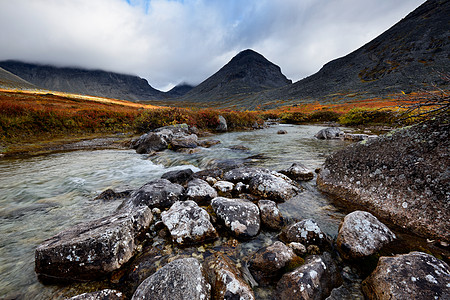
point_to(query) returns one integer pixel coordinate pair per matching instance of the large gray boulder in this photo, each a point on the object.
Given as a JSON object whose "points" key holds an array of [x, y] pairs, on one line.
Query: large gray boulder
{"points": [[185, 141], [299, 172], [181, 177], [409, 276], [93, 249], [181, 279], [362, 234], [329, 133], [313, 280], [222, 124], [200, 191], [188, 223], [153, 141], [160, 193], [100, 295], [240, 216], [306, 232]]}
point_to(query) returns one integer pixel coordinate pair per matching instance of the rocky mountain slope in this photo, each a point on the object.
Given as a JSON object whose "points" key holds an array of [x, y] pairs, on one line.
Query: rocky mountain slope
{"points": [[11, 81], [248, 72]]}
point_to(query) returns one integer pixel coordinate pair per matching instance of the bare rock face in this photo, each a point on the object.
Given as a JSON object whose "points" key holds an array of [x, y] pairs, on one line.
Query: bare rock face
{"points": [[362, 234], [238, 215], [181, 177], [409, 276], [225, 279], [271, 216], [178, 280], [306, 232], [159, 193], [93, 249], [313, 280], [329, 133], [200, 191], [188, 223], [268, 262], [298, 172], [100, 295]]}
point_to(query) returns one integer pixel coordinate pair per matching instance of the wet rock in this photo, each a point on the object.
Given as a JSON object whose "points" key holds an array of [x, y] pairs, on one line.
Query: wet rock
{"points": [[313, 280], [281, 131], [298, 172], [238, 215], [239, 147], [306, 232], [204, 174], [224, 188], [222, 124], [268, 263], [228, 164], [362, 234], [200, 191], [329, 133], [208, 143], [159, 193], [181, 177], [355, 137], [188, 223], [93, 249], [109, 194], [225, 279], [153, 141], [180, 279], [189, 141], [298, 248], [100, 295], [270, 215], [409, 276]]}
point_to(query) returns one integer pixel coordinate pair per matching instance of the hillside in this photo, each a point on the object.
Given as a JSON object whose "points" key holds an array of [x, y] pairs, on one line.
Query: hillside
{"points": [[11, 81]]}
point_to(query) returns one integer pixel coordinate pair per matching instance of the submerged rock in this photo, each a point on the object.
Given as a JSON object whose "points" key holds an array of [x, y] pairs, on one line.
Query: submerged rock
{"points": [[100, 295], [178, 280], [240, 216], [159, 193], [409, 276], [361, 234], [93, 249], [306, 232], [271, 216], [188, 223], [329, 133], [181, 177], [298, 172]]}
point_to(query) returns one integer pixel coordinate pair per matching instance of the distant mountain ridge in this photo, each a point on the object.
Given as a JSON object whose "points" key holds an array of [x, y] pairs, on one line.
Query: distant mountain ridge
{"points": [[9, 80]]}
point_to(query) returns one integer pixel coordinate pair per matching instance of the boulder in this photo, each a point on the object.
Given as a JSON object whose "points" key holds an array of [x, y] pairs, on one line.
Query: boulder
{"points": [[204, 174], [329, 133], [100, 295], [313, 280], [200, 191], [93, 249], [109, 194], [208, 143], [409, 276], [225, 279], [222, 124], [188, 223], [281, 131], [159, 193], [298, 248], [298, 172], [270, 215], [181, 177], [306, 232], [238, 215], [224, 188], [178, 280], [361, 234], [153, 141], [187, 141], [269, 262]]}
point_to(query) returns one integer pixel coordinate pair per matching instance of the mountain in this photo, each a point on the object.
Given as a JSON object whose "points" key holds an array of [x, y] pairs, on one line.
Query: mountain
{"points": [[10, 81], [247, 72], [86, 82], [179, 90], [406, 57]]}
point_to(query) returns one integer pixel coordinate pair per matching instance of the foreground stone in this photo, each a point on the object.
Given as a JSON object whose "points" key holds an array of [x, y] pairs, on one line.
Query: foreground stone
{"points": [[225, 279], [94, 249], [182, 177], [298, 172], [313, 280], [200, 191], [180, 279], [306, 232], [240, 216], [361, 234], [268, 262], [159, 193], [271, 216], [100, 295], [188, 223], [329, 133], [409, 276], [152, 141]]}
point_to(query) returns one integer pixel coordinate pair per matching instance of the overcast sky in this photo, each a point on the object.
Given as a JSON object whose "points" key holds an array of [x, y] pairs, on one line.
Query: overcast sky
{"points": [[169, 41]]}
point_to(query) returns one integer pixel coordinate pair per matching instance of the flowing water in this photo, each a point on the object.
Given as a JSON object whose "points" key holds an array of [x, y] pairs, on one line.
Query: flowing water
{"points": [[43, 195]]}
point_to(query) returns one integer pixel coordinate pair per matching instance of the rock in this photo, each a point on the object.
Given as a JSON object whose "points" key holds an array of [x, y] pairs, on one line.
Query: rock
{"points": [[298, 172], [176, 129], [329, 133], [100, 295], [240, 216], [153, 141], [178, 280], [159, 193], [270, 215], [93, 249], [268, 263], [281, 131], [224, 188], [225, 279], [306, 232], [313, 280], [208, 143], [189, 141], [204, 174], [239, 147], [228, 164], [188, 223], [110, 194], [361, 234], [240, 188], [298, 248], [222, 124], [200, 191], [401, 177], [355, 137], [181, 177], [409, 276]]}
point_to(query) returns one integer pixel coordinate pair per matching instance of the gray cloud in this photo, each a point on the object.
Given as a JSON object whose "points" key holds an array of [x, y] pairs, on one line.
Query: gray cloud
{"points": [[168, 42]]}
